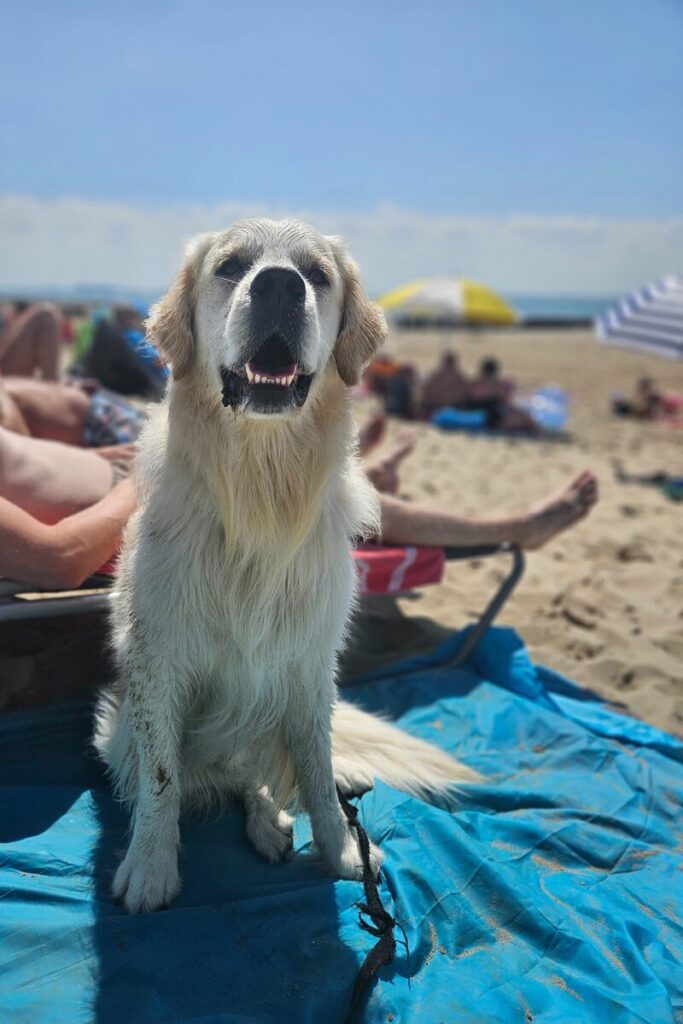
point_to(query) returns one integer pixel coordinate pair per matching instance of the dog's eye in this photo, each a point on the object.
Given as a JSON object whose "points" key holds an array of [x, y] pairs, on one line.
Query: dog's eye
{"points": [[316, 276], [231, 268]]}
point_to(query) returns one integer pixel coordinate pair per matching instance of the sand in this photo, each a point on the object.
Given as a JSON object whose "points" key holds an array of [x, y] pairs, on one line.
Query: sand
{"points": [[603, 603]]}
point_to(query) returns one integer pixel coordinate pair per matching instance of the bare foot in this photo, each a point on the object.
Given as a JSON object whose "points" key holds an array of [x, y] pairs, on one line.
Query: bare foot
{"points": [[383, 472], [552, 516], [372, 432]]}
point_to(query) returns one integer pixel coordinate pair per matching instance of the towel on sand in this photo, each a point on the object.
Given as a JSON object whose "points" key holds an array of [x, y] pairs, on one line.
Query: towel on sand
{"points": [[551, 892]]}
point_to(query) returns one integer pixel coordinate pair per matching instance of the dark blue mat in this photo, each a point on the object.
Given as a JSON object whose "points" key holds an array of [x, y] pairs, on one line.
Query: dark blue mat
{"points": [[553, 893]]}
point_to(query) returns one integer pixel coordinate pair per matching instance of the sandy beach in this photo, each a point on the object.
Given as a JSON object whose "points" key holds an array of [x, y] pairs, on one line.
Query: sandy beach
{"points": [[602, 603]]}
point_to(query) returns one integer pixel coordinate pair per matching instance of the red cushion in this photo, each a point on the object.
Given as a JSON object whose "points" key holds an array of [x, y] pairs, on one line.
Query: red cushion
{"points": [[109, 568], [384, 570], [381, 570]]}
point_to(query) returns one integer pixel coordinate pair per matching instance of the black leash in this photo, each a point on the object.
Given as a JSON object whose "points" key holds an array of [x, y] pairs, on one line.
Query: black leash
{"points": [[380, 924]]}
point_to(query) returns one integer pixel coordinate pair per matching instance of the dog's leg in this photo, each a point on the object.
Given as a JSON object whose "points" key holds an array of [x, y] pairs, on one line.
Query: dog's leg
{"points": [[307, 734], [269, 830], [148, 877]]}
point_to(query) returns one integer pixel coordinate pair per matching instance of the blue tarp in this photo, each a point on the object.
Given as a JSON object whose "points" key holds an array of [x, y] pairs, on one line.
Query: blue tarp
{"points": [[552, 893]]}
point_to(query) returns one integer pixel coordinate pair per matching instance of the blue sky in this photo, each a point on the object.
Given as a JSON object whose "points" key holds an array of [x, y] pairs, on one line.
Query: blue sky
{"points": [[456, 109]]}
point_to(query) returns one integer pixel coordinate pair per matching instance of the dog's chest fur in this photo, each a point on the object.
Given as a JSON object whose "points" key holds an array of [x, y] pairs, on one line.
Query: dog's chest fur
{"points": [[238, 567]]}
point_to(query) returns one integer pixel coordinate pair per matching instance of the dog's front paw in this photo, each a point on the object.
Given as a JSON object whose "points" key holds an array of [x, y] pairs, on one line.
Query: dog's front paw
{"points": [[147, 882], [271, 833], [347, 862]]}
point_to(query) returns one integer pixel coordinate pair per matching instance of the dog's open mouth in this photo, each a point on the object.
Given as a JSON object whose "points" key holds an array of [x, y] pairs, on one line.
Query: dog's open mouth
{"points": [[270, 381]]}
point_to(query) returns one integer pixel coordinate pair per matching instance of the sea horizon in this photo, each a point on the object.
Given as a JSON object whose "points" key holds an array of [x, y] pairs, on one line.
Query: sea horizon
{"points": [[529, 305], [560, 306]]}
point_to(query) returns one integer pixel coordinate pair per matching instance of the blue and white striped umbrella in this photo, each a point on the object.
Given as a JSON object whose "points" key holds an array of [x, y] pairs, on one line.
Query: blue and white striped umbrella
{"points": [[650, 319]]}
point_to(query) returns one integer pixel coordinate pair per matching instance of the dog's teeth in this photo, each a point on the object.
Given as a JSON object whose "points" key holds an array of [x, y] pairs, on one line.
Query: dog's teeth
{"points": [[261, 378]]}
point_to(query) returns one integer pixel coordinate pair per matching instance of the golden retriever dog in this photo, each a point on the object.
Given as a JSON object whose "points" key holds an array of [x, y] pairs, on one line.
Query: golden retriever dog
{"points": [[236, 580]]}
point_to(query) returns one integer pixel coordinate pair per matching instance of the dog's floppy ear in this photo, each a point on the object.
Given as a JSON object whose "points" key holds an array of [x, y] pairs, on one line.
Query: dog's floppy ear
{"points": [[170, 323], [363, 327]]}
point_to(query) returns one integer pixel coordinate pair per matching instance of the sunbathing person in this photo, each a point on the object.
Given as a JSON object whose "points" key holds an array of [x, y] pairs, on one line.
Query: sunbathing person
{"points": [[670, 484], [77, 413], [401, 397], [650, 403], [30, 341], [446, 387], [488, 385], [379, 373], [122, 358], [492, 394]]}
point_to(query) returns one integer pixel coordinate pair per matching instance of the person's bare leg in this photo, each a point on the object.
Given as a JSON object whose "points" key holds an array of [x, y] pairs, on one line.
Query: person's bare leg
{"points": [[561, 511], [53, 411], [372, 432], [517, 421], [32, 344], [383, 470], [10, 414], [49, 479], [405, 523]]}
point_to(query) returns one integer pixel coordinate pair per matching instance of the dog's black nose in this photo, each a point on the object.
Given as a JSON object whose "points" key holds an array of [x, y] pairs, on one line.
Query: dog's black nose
{"points": [[278, 288]]}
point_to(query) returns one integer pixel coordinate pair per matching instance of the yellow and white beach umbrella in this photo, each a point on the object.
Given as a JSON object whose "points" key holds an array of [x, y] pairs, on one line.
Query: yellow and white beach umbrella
{"points": [[446, 300]]}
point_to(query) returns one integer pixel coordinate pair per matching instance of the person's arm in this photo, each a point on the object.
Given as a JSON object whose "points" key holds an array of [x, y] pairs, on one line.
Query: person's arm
{"points": [[65, 554]]}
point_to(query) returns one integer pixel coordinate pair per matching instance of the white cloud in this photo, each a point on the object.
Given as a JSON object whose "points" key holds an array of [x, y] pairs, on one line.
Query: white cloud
{"points": [[72, 241]]}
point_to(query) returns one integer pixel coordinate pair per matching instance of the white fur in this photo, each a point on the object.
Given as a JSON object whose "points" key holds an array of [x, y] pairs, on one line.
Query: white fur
{"points": [[236, 584]]}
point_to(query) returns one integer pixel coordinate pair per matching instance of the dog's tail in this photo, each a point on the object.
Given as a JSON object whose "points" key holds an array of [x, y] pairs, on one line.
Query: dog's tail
{"points": [[365, 747]]}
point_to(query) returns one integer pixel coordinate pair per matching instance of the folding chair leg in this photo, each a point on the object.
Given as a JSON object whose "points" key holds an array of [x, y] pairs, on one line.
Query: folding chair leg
{"points": [[494, 606], [498, 600]]}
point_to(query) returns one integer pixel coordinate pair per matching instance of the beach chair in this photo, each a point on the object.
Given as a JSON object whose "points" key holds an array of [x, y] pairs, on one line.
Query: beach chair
{"points": [[382, 570], [397, 570]]}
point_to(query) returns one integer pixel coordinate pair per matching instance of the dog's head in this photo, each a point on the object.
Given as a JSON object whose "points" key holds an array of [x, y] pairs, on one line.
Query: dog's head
{"points": [[263, 310]]}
